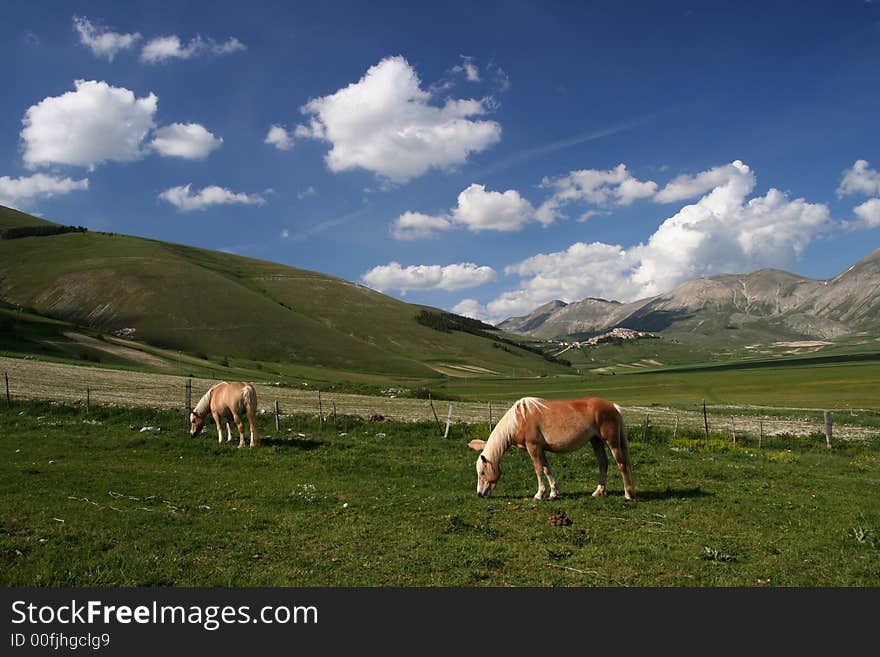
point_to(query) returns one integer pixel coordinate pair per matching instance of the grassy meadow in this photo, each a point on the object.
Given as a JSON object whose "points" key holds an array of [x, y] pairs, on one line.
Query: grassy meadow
{"points": [[123, 497]]}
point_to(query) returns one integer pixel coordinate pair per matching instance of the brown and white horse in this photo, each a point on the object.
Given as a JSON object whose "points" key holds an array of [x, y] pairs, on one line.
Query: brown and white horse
{"points": [[221, 401], [539, 426]]}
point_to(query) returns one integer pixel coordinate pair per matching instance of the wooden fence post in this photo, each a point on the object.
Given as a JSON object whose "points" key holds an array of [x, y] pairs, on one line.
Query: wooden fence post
{"points": [[188, 400], [828, 423], [8, 398], [645, 433], [733, 428], [705, 420], [436, 419], [448, 421], [277, 418], [335, 425], [490, 417], [320, 410], [675, 428], [88, 399], [760, 433]]}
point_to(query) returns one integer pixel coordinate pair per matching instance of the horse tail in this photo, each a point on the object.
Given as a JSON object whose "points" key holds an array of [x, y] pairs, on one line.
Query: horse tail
{"points": [[623, 442], [249, 395], [622, 438]]}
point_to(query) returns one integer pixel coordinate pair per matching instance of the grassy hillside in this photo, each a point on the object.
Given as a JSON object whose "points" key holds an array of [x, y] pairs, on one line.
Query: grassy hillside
{"points": [[215, 304]]}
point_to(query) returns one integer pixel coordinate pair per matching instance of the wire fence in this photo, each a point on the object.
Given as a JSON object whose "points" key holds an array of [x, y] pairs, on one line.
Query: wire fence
{"points": [[40, 380]]}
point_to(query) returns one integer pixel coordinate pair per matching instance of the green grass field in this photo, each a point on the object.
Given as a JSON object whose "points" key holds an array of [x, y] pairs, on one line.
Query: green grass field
{"points": [[91, 500]]}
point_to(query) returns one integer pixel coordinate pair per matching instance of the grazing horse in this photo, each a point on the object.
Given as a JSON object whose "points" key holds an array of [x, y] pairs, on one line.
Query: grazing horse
{"points": [[539, 425], [221, 401]]}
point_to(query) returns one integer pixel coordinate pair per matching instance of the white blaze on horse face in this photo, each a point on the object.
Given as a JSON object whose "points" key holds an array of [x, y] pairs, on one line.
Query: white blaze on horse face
{"points": [[487, 476], [195, 424]]}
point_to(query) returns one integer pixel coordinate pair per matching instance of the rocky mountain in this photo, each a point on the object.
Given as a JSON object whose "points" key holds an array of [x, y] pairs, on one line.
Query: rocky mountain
{"points": [[763, 305]]}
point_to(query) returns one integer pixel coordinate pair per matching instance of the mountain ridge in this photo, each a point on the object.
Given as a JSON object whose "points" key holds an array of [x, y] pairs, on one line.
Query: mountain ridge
{"points": [[762, 301]]}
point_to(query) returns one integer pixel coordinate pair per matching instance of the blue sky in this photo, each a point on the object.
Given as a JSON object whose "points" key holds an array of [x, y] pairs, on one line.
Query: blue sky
{"points": [[479, 157]]}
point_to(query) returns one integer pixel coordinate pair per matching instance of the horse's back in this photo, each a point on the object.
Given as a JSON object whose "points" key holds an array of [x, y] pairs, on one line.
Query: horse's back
{"points": [[232, 395]]}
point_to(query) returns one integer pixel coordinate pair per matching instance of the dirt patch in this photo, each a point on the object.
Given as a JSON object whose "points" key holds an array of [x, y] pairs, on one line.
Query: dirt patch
{"points": [[117, 350], [460, 370]]}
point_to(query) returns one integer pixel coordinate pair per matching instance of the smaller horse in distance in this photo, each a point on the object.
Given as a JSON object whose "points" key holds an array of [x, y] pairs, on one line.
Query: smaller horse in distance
{"points": [[539, 426], [223, 400]]}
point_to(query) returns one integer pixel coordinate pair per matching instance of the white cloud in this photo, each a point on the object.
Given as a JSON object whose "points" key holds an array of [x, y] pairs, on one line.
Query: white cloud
{"points": [[308, 191], [868, 214], [602, 188], [469, 308], [185, 201], [724, 231], [20, 193], [385, 123], [685, 187], [427, 277], [468, 68], [477, 209], [285, 233], [859, 180], [101, 41], [190, 141], [502, 211], [279, 137], [94, 124], [415, 225], [164, 48], [582, 270]]}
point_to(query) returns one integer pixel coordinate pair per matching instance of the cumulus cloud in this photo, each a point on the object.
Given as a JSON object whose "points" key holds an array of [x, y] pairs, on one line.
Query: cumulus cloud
{"points": [[686, 187], [190, 141], [615, 186], [279, 137], [95, 123], [469, 308], [185, 201], [386, 124], [726, 230], [859, 179], [427, 277], [477, 209], [21, 193], [868, 214], [100, 40], [164, 48], [415, 225]]}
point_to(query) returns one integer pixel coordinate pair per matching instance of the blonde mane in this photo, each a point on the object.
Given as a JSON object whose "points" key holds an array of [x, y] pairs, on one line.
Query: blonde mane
{"points": [[499, 439], [204, 404]]}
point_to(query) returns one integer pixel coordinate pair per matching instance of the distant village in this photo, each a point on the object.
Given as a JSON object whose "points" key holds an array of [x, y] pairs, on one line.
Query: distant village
{"points": [[614, 335]]}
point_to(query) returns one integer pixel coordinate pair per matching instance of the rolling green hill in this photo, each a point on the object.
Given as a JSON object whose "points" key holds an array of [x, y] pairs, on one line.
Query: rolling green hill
{"points": [[210, 303]]}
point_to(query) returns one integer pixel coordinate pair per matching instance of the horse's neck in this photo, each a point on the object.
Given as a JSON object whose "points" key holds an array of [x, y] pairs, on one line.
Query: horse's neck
{"points": [[204, 403], [496, 446]]}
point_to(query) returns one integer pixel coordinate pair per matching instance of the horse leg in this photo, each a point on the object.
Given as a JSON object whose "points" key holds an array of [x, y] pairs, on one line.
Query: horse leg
{"points": [[602, 457], [614, 436], [539, 462], [219, 428], [255, 438], [228, 432], [240, 425]]}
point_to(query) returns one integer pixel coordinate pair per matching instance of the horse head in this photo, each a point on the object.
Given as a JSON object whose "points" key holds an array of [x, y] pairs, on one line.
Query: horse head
{"points": [[196, 422], [488, 472]]}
